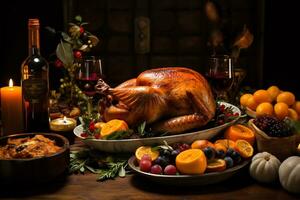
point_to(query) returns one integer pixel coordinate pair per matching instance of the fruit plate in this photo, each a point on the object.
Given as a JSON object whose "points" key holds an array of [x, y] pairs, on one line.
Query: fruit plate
{"points": [[186, 180], [130, 145]]}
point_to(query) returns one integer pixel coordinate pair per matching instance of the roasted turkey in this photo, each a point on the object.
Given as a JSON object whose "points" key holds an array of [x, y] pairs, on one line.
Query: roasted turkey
{"points": [[171, 100]]}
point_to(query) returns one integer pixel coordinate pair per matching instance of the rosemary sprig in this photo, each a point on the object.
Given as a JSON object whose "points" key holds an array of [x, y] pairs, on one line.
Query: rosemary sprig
{"points": [[107, 166]]}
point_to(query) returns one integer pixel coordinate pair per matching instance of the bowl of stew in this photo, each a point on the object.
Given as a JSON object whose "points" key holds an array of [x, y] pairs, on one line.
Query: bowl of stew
{"points": [[33, 158]]}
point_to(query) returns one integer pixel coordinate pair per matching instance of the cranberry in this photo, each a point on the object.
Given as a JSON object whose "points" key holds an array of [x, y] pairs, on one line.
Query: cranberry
{"points": [[84, 135], [92, 126], [58, 63], [78, 54], [97, 136], [222, 107], [81, 30]]}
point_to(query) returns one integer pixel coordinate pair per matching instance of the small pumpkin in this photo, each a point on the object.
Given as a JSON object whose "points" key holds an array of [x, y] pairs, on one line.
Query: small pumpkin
{"points": [[264, 167], [289, 174]]}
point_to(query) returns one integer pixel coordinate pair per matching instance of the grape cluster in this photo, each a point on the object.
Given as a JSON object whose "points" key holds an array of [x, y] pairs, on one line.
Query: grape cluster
{"points": [[272, 126]]}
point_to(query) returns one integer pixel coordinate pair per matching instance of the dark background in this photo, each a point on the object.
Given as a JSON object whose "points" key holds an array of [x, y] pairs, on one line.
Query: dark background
{"points": [[179, 32]]}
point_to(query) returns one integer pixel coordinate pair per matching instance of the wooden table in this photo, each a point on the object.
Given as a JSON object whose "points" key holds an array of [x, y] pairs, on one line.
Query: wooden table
{"points": [[77, 187]]}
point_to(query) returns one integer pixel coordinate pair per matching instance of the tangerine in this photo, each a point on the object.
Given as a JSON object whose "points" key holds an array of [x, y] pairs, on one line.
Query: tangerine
{"points": [[296, 107], [265, 108], [239, 131], [261, 96], [281, 110], [273, 91], [293, 114], [251, 103], [191, 161], [228, 143], [146, 150], [286, 97], [244, 98]]}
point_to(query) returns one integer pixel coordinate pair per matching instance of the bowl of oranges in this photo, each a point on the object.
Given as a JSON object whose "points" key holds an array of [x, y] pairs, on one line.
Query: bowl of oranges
{"points": [[271, 101]]}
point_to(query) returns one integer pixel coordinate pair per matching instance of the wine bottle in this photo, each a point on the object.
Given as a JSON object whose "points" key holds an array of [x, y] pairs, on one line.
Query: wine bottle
{"points": [[35, 83]]}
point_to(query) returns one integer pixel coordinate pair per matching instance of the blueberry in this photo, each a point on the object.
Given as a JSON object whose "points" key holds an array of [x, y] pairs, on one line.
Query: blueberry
{"points": [[209, 152], [162, 161], [236, 157], [229, 152], [229, 162], [220, 154]]}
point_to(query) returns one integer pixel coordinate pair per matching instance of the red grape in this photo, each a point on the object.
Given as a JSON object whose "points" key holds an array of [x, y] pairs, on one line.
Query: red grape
{"points": [[156, 169], [146, 157], [170, 170], [145, 165]]}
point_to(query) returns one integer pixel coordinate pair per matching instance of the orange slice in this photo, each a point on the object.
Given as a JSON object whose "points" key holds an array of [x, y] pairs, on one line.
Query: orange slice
{"points": [[201, 144], [216, 165], [239, 131], [228, 143], [244, 148], [99, 125], [191, 161], [143, 150], [113, 126]]}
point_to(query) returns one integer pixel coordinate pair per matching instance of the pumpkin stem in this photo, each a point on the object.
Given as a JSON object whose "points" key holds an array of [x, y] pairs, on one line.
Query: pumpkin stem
{"points": [[267, 158]]}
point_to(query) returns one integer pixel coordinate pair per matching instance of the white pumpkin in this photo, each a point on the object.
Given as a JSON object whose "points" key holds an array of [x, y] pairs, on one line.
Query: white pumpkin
{"points": [[289, 174], [264, 167]]}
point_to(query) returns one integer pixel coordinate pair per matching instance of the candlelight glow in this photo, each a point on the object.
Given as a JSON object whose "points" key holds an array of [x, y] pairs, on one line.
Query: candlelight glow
{"points": [[11, 83]]}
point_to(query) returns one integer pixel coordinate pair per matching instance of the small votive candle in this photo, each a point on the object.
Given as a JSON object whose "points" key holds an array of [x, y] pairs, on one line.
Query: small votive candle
{"points": [[63, 124], [11, 109]]}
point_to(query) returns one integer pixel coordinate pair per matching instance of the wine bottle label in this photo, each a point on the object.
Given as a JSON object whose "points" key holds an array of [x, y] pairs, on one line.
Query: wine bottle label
{"points": [[34, 90]]}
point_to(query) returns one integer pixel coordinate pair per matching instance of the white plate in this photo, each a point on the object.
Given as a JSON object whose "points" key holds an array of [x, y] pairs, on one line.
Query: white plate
{"points": [[130, 145]]}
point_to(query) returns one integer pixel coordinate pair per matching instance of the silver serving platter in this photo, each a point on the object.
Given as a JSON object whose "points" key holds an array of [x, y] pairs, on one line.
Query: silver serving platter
{"points": [[186, 180], [130, 145]]}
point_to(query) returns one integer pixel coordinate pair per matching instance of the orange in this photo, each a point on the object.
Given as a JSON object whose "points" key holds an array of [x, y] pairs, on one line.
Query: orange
{"points": [[286, 97], [296, 107], [143, 150], [216, 165], [281, 110], [191, 161], [113, 126], [99, 125], [251, 103], [244, 148], [244, 98], [261, 96], [265, 108], [273, 91], [221, 147], [201, 144], [293, 114], [226, 143], [239, 131]]}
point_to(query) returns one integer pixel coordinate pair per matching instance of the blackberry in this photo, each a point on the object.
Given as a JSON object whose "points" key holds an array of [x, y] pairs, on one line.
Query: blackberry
{"points": [[273, 126]]}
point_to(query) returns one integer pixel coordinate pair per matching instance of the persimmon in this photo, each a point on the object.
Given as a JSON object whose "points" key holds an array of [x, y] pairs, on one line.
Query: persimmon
{"points": [[239, 131], [201, 144], [251, 103], [274, 91], [265, 108], [113, 126], [293, 114], [191, 161], [244, 98], [296, 107]]}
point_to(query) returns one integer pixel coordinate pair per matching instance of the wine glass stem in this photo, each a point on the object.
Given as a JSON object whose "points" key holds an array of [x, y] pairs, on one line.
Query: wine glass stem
{"points": [[89, 105]]}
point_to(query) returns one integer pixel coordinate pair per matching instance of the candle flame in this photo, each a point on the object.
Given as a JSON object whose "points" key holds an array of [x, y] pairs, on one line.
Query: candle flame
{"points": [[11, 83], [65, 120]]}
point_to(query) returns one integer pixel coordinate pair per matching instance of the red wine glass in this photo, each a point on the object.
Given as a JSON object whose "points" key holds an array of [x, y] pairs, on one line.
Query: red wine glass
{"points": [[89, 71], [220, 74]]}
